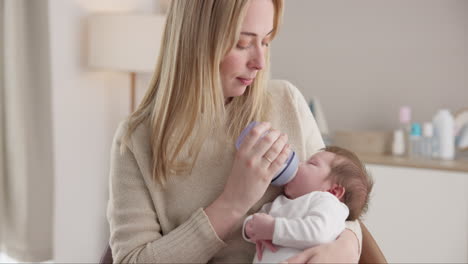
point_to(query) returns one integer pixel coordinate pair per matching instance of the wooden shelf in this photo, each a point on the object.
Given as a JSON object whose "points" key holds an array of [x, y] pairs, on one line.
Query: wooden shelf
{"points": [[460, 165]]}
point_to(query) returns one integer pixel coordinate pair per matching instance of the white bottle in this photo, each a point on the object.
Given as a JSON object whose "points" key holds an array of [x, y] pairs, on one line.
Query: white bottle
{"points": [[444, 129], [398, 146]]}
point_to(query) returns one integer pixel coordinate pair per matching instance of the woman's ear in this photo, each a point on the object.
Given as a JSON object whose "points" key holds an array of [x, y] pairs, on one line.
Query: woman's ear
{"points": [[337, 190]]}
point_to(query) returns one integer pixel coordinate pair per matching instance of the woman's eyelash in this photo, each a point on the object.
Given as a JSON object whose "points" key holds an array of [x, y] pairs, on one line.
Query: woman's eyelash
{"points": [[246, 47]]}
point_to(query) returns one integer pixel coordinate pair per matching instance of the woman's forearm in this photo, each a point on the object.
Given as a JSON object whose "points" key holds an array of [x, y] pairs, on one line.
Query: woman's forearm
{"points": [[223, 216], [350, 243]]}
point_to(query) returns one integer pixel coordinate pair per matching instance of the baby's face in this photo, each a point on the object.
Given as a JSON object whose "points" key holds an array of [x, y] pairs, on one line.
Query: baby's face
{"points": [[312, 175]]}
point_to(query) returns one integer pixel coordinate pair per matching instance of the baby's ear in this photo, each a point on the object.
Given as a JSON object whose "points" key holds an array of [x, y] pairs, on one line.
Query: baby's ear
{"points": [[337, 190]]}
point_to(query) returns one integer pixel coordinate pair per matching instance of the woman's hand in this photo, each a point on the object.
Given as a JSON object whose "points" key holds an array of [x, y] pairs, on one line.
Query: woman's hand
{"points": [[343, 250], [261, 154], [259, 157]]}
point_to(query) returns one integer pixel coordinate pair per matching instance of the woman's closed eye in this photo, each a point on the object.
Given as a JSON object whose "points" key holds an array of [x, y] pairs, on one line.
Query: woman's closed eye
{"points": [[243, 44], [242, 47], [266, 41]]}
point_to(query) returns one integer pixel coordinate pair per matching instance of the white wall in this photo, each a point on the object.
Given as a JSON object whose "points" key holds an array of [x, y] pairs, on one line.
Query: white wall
{"points": [[365, 58], [87, 107]]}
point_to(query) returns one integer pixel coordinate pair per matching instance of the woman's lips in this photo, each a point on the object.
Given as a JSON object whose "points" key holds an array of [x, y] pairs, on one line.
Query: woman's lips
{"points": [[245, 81]]}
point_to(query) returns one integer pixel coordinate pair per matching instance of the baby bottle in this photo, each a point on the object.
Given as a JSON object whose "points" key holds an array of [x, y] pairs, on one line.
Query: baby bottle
{"points": [[289, 168]]}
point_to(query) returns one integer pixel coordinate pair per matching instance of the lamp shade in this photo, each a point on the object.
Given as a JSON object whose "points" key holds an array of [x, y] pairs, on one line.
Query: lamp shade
{"points": [[123, 42]]}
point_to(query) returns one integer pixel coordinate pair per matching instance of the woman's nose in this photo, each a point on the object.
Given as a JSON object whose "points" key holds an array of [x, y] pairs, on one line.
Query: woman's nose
{"points": [[257, 60]]}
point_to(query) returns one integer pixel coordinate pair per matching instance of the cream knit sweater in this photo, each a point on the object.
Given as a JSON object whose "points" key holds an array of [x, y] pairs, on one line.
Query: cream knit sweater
{"points": [[149, 224]]}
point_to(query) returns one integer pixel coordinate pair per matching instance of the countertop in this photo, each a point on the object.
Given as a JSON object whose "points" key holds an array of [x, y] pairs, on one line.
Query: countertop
{"points": [[459, 165]]}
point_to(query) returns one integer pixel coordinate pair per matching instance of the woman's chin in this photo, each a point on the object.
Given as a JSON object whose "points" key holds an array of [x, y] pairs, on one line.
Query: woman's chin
{"points": [[237, 91]]}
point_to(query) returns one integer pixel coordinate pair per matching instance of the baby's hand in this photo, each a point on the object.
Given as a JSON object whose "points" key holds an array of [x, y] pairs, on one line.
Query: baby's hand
{"points": [[261, 245], [260, 227]]}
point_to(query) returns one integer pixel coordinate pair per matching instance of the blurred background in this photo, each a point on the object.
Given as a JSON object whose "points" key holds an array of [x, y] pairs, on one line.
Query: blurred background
{"points": [[63, 92]]}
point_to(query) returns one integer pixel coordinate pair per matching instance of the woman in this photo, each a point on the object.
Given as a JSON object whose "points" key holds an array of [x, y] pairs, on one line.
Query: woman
{"points": [[179, 190]]}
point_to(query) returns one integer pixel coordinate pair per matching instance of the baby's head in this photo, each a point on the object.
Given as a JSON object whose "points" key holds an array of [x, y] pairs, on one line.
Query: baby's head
{"points": [[338, 171]]}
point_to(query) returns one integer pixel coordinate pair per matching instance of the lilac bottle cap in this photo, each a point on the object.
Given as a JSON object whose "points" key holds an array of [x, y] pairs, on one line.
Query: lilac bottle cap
{"points": [[287, 172], [244, 133]]}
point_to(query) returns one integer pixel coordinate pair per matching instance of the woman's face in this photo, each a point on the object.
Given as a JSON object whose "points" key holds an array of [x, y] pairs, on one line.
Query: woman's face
{"points": [[240, 66]]}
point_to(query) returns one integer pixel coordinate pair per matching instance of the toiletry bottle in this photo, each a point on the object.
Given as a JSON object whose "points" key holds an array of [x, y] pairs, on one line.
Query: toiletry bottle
{"points": [[398, 145], [435, 141], [415, 140], [444, 129], [405, 125], [287, 171], [427, 140]]}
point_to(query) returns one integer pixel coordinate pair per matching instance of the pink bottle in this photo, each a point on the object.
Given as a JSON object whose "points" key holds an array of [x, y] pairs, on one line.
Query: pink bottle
{"points": [[405, 125]]}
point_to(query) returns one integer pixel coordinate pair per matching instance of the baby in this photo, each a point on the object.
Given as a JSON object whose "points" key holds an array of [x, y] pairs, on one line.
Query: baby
{"points": [[328, 189]]}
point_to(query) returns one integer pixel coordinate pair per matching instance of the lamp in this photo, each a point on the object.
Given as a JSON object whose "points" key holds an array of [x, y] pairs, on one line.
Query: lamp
{"points": [[127, 43]]}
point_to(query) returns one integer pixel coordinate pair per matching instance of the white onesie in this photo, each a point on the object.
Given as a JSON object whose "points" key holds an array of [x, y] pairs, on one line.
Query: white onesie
{"points": [[307, 221]]}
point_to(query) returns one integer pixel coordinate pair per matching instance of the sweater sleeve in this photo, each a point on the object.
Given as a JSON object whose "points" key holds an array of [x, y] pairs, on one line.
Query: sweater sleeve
{"points": [[323, 222], [136, 235]]}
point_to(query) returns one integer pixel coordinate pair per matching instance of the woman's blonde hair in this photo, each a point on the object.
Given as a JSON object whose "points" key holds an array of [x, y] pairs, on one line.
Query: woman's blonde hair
{"points": [[185, 98]]}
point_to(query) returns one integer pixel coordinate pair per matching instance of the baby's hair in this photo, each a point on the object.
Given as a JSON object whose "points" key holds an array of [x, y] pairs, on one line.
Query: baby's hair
{"points": [[348, 171]]}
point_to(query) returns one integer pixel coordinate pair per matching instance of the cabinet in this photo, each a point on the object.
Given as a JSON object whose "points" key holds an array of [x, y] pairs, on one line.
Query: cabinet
{"points": [[419, 215]]}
